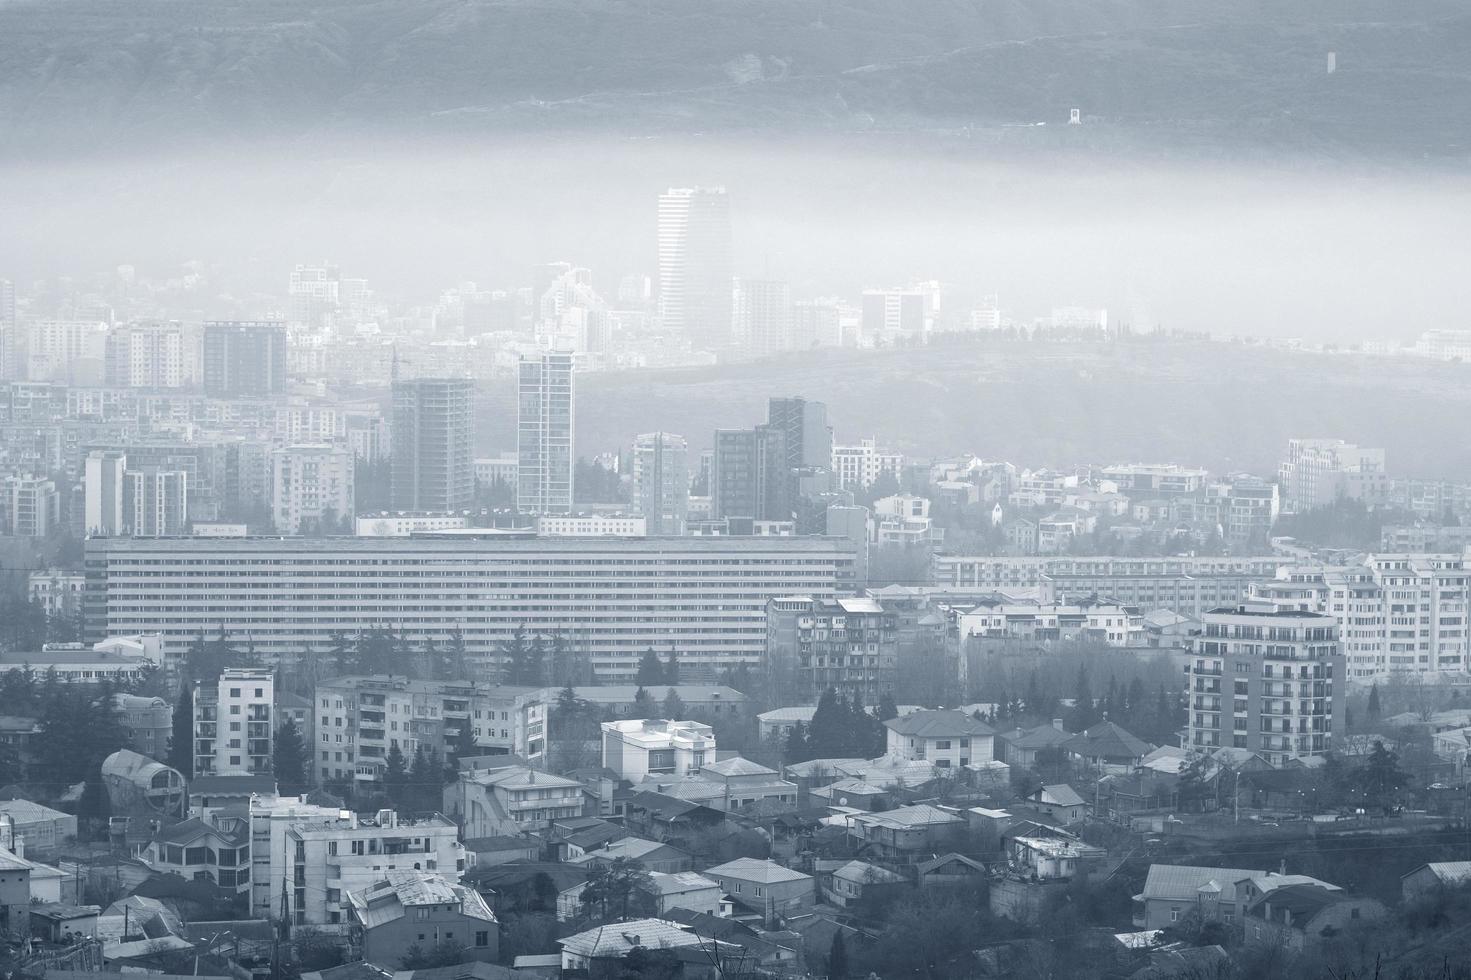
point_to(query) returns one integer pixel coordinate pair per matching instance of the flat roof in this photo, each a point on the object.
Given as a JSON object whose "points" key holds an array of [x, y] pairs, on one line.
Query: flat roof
{"points": [[434, 544]]}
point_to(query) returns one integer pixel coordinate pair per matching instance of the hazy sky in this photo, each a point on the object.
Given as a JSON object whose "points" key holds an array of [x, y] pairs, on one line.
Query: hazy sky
{"points": [[1275, 251]]}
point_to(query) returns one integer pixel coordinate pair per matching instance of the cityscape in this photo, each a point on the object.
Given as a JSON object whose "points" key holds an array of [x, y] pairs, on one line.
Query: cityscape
{"points": [[785, 491]]}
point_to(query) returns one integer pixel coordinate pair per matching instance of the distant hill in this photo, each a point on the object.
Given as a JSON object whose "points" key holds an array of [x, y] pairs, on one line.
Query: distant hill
{"points": [[1182, 75], [1215, 405]]}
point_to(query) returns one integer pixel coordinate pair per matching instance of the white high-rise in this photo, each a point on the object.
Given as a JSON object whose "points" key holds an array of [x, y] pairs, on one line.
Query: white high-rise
{"points": [[310, 483], [763, 316], [102, 492], [145, 355], [544, 445], [695, 265]]}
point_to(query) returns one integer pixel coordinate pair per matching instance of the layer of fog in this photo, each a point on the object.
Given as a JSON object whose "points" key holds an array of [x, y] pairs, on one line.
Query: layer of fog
{"points": [[1324, 255]]}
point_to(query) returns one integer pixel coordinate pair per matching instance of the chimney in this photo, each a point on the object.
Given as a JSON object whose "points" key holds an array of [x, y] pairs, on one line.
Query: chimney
{"points": [[19, 850], [1282, 867], [1057, 723]]}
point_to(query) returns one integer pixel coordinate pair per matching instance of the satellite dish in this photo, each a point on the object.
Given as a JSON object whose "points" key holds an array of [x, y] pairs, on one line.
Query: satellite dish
{"points": [[842, 801]]}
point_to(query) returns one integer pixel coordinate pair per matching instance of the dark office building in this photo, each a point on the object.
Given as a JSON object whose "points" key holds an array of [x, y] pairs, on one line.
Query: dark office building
{"points": [[433, 444], [244, 359]]}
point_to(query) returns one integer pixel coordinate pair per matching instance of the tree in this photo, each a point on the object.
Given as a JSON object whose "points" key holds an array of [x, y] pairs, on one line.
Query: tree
{"points": [[396, 776], [181, 741], [837, 957], [447, 953], [513, 655], [1380, 779], [797, 748], [315, 950], [643, 703], [289, 760], [1374, 709], [671, 668], [673, 706], [650, 670], [616, 887]]}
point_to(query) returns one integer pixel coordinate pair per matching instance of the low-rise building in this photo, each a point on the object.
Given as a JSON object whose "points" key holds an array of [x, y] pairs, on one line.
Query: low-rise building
{"points": [[946, 738], [1061, 802], [685, 890], [639, 747], [149, 722], [1297, 917], [601, 946], [850, 883], [744, 783], [514, 799], [1171, 892], [1093, 618], [417, 908], [1428, 879], [43, 829], [766, 887], [907, 834], [622, 699], [119, 663], [216, 849], [137, 786]]}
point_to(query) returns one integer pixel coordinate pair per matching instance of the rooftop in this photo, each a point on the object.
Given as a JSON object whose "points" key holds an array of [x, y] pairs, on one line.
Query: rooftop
{"points": [[615, 940], [754, 869], [938, 724]]}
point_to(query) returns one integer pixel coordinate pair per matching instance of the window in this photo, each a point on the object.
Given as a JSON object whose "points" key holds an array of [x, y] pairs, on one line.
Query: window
{"points": [[942, 744], [482, 938], [234, 692], [1174, 913]]}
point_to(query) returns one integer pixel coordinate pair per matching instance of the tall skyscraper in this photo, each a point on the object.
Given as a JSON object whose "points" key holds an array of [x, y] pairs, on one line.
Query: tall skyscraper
{"points": [[763, 472], [661, 481], [244, 359], [763, 316], [145, 355], [433, 444], [695, 265], [102, 492], [544, 445]]}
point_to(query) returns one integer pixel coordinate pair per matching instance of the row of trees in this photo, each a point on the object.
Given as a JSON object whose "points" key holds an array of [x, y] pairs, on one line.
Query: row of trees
{"points": [[841, 728]]}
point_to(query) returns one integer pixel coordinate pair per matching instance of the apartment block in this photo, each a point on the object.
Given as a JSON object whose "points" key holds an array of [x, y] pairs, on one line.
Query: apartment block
{"points": [[609, 598], [1263, 679], [1088, 619], [511, 800], [856, 467], [311, 483], [305, 859], [234, 723], [850, 644], [1318, 472], [360, 719]]}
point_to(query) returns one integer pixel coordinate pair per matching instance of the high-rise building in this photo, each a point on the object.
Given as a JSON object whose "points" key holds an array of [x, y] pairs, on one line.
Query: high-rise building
{"points": [[244, 359], [661, 481], [311, 484], [807, 440], [1267, 680], [889, 314], [102, 492], [860, 466], [1317, 472], [315, 295], [739, 473], [695, 265], [433, 444], [544, 440], [763, 316], [145, 355], [29, 506], [850, 645], [234, 724], [816, 323], [7, 301], [70, 351], [155, 501]]}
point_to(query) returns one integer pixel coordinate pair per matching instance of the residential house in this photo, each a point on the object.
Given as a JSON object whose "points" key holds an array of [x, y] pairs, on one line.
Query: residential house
{"points": [[765, 887], [907, 834], [850, 883], [744, 782], [1061, 802], [1145, 791], [64, 925], [950, 869], [416, 908], [510, 800], [1173, 891], [216, 849], [149, 722], [1430, 878], [664, 818], [140, 787], [855, 793], [1299, 916], [652, 855], [1106, 747], [685, 890], [502, 849], [634, 748], [600, 945], [1019, 747], [42, 828], [944, 738]]}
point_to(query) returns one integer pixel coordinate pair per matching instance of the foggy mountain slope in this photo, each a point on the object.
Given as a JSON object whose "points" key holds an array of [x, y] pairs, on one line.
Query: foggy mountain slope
{"points": [[1219, 406], [1153, 69]]}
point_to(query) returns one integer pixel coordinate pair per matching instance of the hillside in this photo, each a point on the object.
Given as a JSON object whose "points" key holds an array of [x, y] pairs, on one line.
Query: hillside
{"points": [[1181, 75], [1219, 406]]}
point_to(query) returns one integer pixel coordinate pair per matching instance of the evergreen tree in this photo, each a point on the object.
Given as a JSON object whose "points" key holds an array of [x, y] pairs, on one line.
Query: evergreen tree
{"points": [[342, 655], [457, 668], [423, 783], [837, 958], [1033, 695], [534, 670], [289, 760], [563, 670], [1002, 705], [797, 748], [1135, 706], [643, 703], [513, 656], [887, 709], [1374, 709], [671, 668], [673, 706], [650, 670], [181, 741], [833, 734], [396, 777]]}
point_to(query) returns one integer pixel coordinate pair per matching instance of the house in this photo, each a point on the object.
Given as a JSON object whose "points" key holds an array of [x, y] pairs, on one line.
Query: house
{"points": [[1430, 878], [53, 922], [685, 890], [138, 786], [653, 855], [762, 948], [1172, 891], [1107, 748], [765, 887], [907, 834], [1019, 747], [503, 849], [855, 793], [945, 738], [638, 747], [1144, 791], [465, 971], [1060, 801], [408, 908], [42, 828], [217, 849], [512, 799], [660, 817], [15, 896], [949, 869], [744, 782], [229, 791], [606, 944], [855, 880], [779, 722], [1299, 916], [1183, 964]]}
